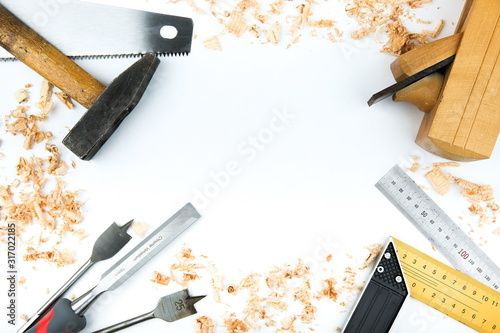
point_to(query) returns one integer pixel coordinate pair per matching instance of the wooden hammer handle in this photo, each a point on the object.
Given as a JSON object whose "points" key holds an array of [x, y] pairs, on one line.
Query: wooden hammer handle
{"points": [[36, 52]]}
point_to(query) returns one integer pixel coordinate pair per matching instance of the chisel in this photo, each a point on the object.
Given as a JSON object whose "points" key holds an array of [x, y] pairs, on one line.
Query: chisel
{"points": [[67, 316], [109, 243]]}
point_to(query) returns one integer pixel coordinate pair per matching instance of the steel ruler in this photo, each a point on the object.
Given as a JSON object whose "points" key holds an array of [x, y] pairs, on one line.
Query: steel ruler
{"points": [[448, 290], [439, 228]]}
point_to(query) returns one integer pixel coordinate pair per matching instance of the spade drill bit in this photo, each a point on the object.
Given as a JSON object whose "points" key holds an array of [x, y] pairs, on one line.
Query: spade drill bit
{"points": [[169, 308], [109, 243]]}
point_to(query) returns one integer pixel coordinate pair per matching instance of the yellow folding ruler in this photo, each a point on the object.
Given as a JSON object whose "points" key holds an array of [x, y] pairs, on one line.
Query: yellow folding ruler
{"points": [[448, 290], [471, 299]]}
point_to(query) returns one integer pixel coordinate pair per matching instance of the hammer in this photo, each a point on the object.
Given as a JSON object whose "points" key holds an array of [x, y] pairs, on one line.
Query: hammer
{"points": [[107, 106]]}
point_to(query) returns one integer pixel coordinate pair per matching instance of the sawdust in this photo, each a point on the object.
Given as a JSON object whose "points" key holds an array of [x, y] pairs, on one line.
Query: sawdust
{"points": [[37, 197], [21, 95], [329, 289], [284, 297], [374, 250], [65, 99], [186, 269], [235, 325], [439, 180], [140, 228], [60, 257], [204, 324], [212, 43], [274, 21], [373, 15], [160, 278], [481, 198]]}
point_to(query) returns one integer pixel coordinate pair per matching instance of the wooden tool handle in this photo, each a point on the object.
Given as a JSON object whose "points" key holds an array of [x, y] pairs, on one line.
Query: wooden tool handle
{"points": [[32, 49]]}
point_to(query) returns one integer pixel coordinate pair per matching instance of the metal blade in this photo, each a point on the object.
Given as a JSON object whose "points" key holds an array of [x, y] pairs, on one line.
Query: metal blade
{"points": [[176, 306], [147, 249], [110, 242], [389, 91], [82, 29]]}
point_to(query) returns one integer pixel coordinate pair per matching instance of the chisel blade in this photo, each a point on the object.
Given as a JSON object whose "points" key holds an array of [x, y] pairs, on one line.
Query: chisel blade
{"points": [[389, 91], [147, 249]]}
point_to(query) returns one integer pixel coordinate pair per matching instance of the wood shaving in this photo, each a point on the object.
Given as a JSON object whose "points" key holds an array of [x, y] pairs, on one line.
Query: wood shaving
{"points": [[235, 325], [205, 324], [437, 30], [24, 317], [287, 323], [140, 228], [160, 278], [212, 43], [65, 99], [218, 287], [20, 122], [270, 21], [45, 94], [186, 269], [80, 234], [329, 289], [21, 95], [237, 24], [372, 15], [38, 196], [480, 197], [439, 180], [374, 250], [55, 165], [475, 191], [415, 165], [60, 257], [273, 34]]}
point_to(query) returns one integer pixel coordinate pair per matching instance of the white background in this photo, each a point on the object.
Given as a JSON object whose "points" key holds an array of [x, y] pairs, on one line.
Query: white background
{"points": [[306, 190]]}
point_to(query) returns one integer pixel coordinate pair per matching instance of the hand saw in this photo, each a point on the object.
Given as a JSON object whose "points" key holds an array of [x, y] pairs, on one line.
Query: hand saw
{"points": [[81, 29]]}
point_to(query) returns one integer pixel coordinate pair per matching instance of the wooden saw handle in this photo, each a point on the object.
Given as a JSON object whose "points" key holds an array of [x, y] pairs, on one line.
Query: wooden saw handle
{"points": [[36, 52]]}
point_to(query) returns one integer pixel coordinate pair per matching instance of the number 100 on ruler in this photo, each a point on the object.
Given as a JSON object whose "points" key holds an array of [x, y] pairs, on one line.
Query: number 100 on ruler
{"points": [[440, 229]]}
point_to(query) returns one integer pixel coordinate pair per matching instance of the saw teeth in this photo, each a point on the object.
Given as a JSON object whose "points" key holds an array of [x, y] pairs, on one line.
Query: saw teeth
{"points": [[117, 56]]}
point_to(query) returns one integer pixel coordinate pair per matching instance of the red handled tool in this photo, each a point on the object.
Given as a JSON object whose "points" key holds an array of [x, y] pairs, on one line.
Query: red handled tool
{"points": [[109, 243], [68, 317]]}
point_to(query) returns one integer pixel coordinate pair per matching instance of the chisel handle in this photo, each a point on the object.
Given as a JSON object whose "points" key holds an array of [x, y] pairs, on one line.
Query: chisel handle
{"points": [[36, 52], [60, 319], [43, 310]]}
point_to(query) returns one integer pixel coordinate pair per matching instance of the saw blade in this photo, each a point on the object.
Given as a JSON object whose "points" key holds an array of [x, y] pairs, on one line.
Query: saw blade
{"points": [[87, 30]]}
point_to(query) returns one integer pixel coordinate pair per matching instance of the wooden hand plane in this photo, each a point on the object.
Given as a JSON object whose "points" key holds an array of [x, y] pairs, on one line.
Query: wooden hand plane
{"points": [[462, 106]]}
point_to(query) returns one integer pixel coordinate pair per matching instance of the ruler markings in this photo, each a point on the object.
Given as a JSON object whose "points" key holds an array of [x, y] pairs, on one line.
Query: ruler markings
{"points": [[441, 230], [450, 291], [428, 281]]}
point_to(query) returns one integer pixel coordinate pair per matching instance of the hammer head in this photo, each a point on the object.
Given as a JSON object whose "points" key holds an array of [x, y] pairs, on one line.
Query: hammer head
{"points": [[115, 103]]}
